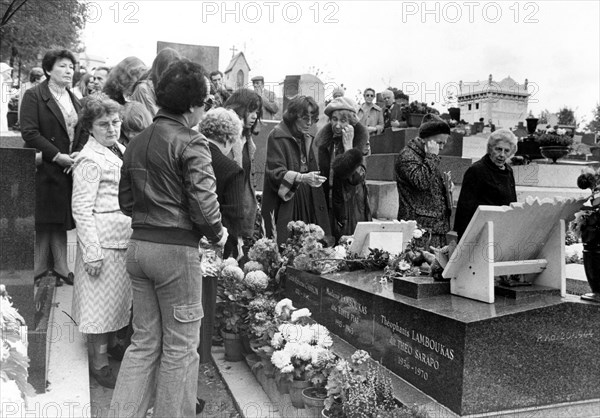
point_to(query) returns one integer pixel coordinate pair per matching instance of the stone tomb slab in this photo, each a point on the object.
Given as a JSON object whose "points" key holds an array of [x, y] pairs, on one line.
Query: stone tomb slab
{"points": [[304, 289], [472, 357], [347, 312]]}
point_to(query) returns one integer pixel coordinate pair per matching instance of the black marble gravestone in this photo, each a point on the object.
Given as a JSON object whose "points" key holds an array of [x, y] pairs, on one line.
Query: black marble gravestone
{"points": [[469, 356], [17, 237]]}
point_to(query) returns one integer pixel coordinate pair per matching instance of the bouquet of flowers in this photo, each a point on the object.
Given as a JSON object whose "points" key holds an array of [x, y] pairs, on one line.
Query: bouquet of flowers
{"points": [[300, 349], [587, 221], [555, 137], [233, 296], [415, 259], [305, 251], [265, 252]]}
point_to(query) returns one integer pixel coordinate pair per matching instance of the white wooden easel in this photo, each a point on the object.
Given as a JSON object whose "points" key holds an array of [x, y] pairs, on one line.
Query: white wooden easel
{"points": [[523, 238]]}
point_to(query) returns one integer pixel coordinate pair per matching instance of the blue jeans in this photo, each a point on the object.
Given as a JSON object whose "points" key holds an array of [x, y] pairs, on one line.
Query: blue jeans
{"points": [[167, 309]]}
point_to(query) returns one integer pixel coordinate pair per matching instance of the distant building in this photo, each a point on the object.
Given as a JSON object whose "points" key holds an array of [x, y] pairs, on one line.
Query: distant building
{"points": [[504, 102], [237, 72]]}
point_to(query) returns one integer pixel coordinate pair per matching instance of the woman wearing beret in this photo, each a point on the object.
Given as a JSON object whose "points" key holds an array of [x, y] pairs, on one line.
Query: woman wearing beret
{"points": [[342, 144], [292, 188], [489, 181], [423, 193], [49, 124]]}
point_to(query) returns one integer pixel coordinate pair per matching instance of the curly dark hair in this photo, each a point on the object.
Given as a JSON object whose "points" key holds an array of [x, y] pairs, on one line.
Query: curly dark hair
{"points": [[54, 55], [95, 106], [183, 85], [244, 102], [298, 108]]}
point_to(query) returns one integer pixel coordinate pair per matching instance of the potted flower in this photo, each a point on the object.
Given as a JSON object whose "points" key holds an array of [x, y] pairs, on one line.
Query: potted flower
{"points": [[587, 227], [415, 111], [231, 307], [358, 388], [554, 143], [299, 347]]}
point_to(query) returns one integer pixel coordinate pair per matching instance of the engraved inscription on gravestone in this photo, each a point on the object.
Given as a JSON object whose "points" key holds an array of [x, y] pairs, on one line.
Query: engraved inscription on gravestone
{"points": [[347, 313], [304, 290]]}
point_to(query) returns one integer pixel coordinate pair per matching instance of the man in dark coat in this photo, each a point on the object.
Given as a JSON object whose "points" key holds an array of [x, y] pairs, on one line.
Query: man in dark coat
{"points": [[423, 193]]}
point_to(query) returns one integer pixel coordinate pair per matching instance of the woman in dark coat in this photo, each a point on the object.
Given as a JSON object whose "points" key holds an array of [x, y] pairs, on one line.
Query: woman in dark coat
{"points": [[292, 187], [222, 128], [248, 106], [423, 193], [342, 144], [489, 181], [48, 123]]}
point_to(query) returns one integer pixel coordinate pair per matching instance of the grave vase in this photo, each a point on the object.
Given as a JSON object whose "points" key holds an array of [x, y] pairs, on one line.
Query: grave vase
{"points": [[554, 152], [233, 346], [296, 387], [414, 119]]}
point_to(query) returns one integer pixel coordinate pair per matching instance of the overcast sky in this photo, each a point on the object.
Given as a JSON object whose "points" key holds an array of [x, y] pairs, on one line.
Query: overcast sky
{"points": [[425, 47]]}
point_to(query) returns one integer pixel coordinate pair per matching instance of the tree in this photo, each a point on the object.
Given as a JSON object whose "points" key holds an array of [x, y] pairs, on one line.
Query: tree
{"points": [[29, 27], [594, 125], [543, 117], [566, 116]]}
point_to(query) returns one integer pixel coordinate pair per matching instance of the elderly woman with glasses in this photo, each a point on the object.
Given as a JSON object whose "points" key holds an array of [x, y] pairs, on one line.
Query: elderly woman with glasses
{"points": [[102, 293], [489, 181], [423, 190], [292, 187], [342, 145]]}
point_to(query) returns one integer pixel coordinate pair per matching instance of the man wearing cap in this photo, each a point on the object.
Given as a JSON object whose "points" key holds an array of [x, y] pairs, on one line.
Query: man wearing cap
{"points": [[269, 107], [423, 190]]}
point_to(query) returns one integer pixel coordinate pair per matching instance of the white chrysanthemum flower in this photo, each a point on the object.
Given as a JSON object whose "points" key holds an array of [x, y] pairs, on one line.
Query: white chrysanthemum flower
{"points": [[303, 351], [20, 347], [287, 369], [253, 266], [360, 356], [258, 280], [283, 304], [11, 394], [281, 358], [277, 340], [417, 233], [233, 272], [340, 252], [230, 262], [300, 313]]}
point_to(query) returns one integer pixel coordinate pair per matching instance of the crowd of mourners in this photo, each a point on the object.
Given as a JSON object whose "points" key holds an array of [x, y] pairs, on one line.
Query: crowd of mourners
{"points": [[145, 162]]}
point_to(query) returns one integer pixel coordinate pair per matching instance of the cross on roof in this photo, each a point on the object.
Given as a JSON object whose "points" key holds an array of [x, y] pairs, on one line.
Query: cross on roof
{"points": [[232, 49]]}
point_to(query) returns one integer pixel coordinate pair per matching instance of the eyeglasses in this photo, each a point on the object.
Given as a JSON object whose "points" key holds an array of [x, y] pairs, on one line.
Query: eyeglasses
{"points": [[106, 125], [208, 104], [308, 119]]}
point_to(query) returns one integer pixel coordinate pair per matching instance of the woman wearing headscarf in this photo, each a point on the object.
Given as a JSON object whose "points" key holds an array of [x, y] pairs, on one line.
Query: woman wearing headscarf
{"points": [[343, 143]]}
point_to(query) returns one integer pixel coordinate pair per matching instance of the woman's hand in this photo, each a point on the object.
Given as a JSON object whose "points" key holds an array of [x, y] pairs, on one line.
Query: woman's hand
{"points": [[93, 268], [313, 179], [432, 147], [65, 161], [347, 137]]}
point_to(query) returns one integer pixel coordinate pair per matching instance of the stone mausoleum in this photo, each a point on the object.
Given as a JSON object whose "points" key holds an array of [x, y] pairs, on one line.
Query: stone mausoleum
{"points": [[504, 102]]}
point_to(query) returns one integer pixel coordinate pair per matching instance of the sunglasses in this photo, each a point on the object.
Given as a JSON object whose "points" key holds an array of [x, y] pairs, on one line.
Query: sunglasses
{"points": [[208, 104]]}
